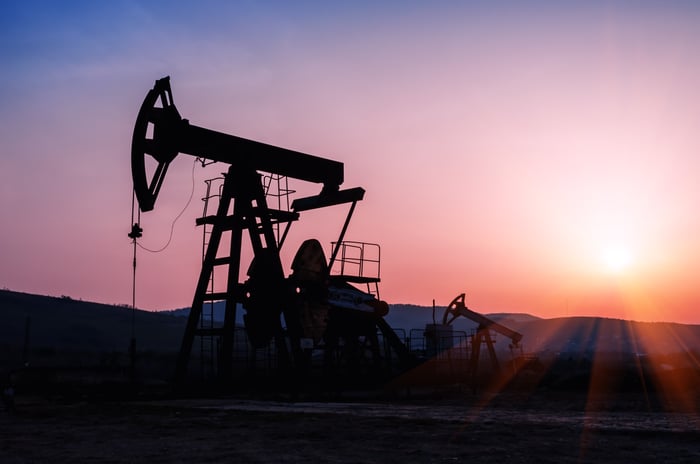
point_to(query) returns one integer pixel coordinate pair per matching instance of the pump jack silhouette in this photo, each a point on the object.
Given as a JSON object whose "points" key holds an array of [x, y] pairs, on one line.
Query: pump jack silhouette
{"points": [[311, 293]]}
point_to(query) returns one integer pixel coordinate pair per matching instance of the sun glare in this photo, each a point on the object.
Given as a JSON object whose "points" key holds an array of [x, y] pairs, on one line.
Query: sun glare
{"points": [[616, 259]]}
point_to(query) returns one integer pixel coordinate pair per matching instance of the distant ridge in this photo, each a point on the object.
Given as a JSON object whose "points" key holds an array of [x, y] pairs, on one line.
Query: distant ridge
{"points": [[405, 316], [68, 324], [518, 317]]}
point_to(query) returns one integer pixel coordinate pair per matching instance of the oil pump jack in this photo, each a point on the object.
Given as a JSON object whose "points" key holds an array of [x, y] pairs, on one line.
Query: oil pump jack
{"points": [[314, 304], [482, 336]]}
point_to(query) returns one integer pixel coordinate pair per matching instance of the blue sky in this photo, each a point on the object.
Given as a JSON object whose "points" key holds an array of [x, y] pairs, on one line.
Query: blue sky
{"points": [[503, 145]]}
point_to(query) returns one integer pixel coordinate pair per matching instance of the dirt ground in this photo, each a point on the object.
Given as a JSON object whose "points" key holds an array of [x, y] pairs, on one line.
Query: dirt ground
{"points": [[461, 428]]}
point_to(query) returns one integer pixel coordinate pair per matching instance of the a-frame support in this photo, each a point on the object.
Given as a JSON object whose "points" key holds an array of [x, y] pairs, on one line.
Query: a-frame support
{"points": [[483, 336], [265, 293]]}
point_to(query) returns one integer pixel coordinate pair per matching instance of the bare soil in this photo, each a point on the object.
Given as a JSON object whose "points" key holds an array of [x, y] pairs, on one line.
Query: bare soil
{"points": [[461, 428]]}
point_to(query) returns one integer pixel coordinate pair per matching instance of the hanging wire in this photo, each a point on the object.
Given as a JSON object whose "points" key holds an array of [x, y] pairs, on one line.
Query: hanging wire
{"points": [[172, 226], [134, 235]]}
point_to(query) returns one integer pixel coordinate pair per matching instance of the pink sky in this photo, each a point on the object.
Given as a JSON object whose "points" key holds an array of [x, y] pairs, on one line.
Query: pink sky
{"points": [[505, 151]]}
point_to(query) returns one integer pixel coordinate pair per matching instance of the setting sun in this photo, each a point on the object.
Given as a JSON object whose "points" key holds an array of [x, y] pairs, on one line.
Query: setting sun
{"points": [[616, 259]]}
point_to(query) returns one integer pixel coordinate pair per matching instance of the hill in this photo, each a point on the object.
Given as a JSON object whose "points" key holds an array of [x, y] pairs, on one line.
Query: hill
{"points": [[401, 316], [65, 324], [587, 335]]}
